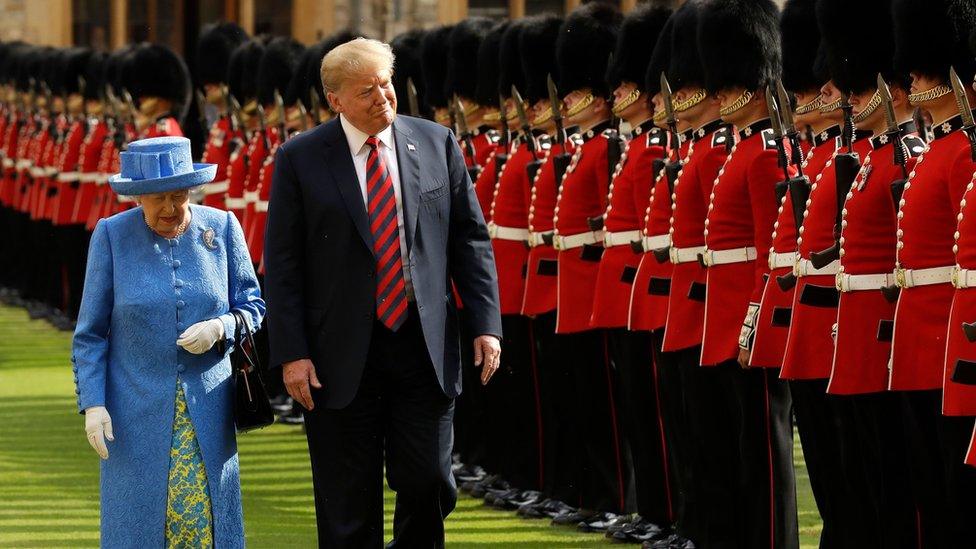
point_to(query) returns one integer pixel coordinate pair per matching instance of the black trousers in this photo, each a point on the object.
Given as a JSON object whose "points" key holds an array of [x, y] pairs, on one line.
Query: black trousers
{"points": [[879, 455], [943, 484], [558, 408], [470, 442], [675, 371], [639, 407], [399, 412], [823, 423], [599, 457], [767, 488]]}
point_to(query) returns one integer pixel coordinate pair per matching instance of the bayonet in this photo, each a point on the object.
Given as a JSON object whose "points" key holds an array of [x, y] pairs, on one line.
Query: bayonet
{"points": [[412, 98], [201, 107], [523, 119], [261, 127], [282, 120], [965, 110], [465, 134], [557, 112], [893, 133], [777, 125], [669, 117], [302, 114], [313, 98], [238, 117], [505, 137], [789, 127]]}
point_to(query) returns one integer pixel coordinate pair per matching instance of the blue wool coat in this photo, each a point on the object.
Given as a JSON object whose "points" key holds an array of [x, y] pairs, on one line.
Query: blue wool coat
{"points": [[141, 292]]}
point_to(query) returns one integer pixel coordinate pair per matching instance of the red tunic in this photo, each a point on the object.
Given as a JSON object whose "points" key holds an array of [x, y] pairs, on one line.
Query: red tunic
{"points": [[510, 209], [257, 151], [69, 174], [217, 151], [776, 307], [627, 199], [10, 189], [686, 302], [88, 170], [741, 214], [25, 146], [255, 238], [236, 178], [484, 140], [809, 346], [36, 155], [927, 222], [865, 317], [582, 196]]}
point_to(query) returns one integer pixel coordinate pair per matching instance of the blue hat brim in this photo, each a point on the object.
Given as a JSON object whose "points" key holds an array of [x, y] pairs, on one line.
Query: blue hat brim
{"points": [[201, 174]]}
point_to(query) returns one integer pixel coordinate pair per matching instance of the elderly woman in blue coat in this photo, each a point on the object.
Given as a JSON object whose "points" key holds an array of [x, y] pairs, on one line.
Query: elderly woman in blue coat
{"points": [[151, 355]]}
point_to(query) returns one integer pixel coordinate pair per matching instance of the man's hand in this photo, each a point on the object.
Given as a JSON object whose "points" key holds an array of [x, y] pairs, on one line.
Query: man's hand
{"points": [[298, 374], [744, 356], [487, 350], [98, 427]]}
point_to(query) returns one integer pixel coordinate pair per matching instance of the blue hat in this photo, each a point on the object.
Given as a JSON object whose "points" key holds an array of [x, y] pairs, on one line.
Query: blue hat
{"points": [[159, 165]]}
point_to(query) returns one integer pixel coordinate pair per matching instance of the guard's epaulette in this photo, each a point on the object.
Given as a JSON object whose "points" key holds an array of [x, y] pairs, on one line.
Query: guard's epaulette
{"points": [[494, 136], [576, 139], [769, 139], [544, 141], [658, 137], [914, 144], [721, 136]]}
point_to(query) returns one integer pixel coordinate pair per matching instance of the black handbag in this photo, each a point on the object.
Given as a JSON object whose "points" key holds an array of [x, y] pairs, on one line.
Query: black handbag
{"points": [[252, 408]]}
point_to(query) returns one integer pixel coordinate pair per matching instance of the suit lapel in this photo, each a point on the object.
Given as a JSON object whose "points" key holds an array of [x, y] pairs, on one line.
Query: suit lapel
{"points": [[338, 162], [408, 160]]}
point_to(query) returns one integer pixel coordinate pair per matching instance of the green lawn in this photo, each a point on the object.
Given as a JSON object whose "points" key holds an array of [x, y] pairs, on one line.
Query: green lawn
{"points": [[49, 475]]}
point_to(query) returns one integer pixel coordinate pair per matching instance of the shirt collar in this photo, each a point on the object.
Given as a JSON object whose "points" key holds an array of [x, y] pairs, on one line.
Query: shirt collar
{"points": [[357, 138]]}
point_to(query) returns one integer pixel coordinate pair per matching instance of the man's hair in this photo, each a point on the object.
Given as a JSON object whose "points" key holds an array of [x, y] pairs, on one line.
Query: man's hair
{"points": [[354, 58]]}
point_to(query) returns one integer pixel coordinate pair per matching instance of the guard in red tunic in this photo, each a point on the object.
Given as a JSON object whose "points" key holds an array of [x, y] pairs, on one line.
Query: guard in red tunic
{"points": [[738, 229], [217, 42], [585, 42], [242, 83], [872, 442], [927, 225], [638, 394]]}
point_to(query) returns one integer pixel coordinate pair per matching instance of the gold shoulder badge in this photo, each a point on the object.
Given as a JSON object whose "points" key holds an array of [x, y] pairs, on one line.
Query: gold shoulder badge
{"points": [[210, 239]]}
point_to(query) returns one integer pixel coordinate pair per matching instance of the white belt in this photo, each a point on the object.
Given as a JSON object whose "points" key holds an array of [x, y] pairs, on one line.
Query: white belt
{"points": [[89, 177], [725, 257], [963, 278], [235, 203], [908, 278], [68, 177], [497, 232], [23, 164], [569, 242], [779, 260], [50, 170], [856, 283], [622, 238], [803, 267], [251, 196], [101, 178], [37, 171], [8, 163], [216, 187], [655, 242], [685, 255], [538, 239], [261, 206]]}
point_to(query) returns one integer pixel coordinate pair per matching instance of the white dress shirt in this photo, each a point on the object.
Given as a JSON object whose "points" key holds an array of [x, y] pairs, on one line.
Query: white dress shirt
{"points": [[387, 149]]}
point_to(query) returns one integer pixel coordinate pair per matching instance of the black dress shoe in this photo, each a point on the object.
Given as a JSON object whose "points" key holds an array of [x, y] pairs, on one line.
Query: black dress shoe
{"points": [[514, 499], [496, 498], [639, 531], [293, 417], [470, 485], [617, 526], [467, 473], [573, 518], [491, 483], [673, 541], [602, 521], [281, 404]]}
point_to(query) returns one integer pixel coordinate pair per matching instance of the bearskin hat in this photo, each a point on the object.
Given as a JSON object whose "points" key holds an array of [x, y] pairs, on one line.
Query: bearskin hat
{"points": [[462, 67], [684, 62], [586, 40], [486, 92], [800, 40], [635, 44], [433, 59], [510, 60], [537, 42], [660, 58], [855, 52], [278, 65], [406, 51], [154, 70], [242, 69], [739, 43], [947, 25], [75, 64], [217, 41], [95, 76]]}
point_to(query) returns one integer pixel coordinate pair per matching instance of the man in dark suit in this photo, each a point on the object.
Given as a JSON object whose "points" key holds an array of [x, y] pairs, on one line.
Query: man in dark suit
{"points": [[371, 217]]}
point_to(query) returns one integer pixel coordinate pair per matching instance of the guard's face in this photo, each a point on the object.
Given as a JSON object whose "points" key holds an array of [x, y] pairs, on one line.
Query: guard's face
{"points": [[621, 96], [830, 94], [368, 101], [801, 121], [922, 82], [860, 102], [164, 212]]}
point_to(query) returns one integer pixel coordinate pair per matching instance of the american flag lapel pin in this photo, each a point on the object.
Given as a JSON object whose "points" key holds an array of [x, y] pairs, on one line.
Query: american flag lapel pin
{"points": [[410, 147]]}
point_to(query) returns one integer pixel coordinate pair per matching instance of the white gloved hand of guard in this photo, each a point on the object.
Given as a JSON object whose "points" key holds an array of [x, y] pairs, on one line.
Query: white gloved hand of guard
{"points": [[200, 337], [98, 426]]}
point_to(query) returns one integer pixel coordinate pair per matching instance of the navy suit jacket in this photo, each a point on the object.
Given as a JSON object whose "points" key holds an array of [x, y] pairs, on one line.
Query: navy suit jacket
{"points": [[320, 268]]}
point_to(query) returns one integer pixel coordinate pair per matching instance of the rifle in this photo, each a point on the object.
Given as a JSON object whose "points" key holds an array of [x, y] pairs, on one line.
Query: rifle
{"points": [[465, 134], [846, 166], [786, 281], [262, 129], [965, 110], [504, 140], [282, 120], [894, 135], [560, 162], [316, 108], [412, 98]]}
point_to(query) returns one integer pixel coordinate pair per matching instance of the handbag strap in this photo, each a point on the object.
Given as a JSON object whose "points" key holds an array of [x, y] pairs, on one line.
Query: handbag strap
{"points": [[244, 335]]}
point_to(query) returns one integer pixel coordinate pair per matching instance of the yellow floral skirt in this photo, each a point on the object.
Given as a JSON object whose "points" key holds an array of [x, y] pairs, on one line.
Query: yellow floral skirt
{"points": [[189, 522]]}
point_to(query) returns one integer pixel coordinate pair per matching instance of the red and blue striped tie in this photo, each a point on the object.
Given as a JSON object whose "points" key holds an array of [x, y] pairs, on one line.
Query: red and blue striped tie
{"points": [[391, 291]]}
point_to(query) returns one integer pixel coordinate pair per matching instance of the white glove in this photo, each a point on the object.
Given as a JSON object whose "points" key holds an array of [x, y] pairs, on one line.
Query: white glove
{"points": [[200, 337], [98, 426]]}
